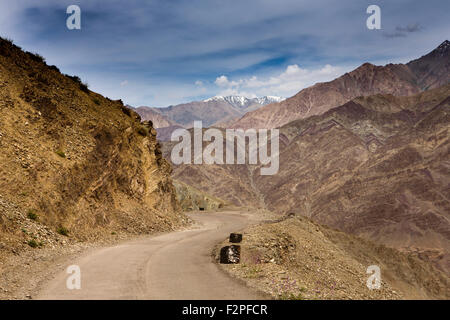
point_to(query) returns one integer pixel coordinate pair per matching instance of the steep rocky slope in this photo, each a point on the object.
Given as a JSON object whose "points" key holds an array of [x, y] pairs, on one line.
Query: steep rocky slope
{"points": [[428, 72], [192, 199], [296, 258], [73, 163], [232, 183]]}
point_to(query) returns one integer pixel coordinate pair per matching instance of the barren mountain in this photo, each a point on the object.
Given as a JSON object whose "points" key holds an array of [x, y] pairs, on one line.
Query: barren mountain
{"points": [[158, 120], [433, 69], [73, 163], [210, 111], [428, 72], [191, 198], [376, 167], [165, 133]]}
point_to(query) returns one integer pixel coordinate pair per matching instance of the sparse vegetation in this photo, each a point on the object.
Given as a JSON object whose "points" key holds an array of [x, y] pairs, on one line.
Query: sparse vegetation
{"points": [[291, 296], [143, 131], [5, 47], [60, 153], [83, 85], [42, 79], [63, 231], [31, 214], [55, 68], [254, 272], [33, 243], [36, 57], [74, 78], [96, 101], [9, 41], [126, 111]]}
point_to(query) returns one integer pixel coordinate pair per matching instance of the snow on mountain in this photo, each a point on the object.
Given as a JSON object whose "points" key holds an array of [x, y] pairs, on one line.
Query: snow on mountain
{"points": [[243, 102]]}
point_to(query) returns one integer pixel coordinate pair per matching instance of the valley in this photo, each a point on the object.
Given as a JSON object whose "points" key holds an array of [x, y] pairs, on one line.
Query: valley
{"points": [[375, 166], [362, 179]]}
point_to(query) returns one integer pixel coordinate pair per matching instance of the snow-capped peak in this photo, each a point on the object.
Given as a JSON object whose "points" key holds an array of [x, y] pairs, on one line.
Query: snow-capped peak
{"points": [[216, 98], [243, 102]]}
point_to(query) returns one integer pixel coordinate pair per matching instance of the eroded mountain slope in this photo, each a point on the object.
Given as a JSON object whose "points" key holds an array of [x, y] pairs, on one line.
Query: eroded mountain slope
{"points": [[376, 167], [73, 163], [427, 72]]}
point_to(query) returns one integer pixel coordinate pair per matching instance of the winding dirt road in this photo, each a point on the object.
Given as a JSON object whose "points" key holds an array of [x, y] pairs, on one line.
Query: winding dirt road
{"points": [[176, 265]]}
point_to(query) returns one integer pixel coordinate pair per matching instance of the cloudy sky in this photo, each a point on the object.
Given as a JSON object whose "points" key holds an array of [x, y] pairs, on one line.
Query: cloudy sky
{"points": [[163, 52]]}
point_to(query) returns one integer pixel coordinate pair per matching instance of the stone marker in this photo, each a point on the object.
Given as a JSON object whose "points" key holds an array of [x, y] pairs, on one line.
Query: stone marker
{"points": [[230, 254], [235, 237]]}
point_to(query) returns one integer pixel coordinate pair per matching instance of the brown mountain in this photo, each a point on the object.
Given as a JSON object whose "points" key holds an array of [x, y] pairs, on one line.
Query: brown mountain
{"points": [[376, 167], [216, 111], [433, 69], [427, 72], [158, 120], [185, 114], [73, 162]]}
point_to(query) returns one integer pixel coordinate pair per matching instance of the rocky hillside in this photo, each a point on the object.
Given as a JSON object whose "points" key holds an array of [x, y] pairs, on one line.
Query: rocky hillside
{"points": [[232, 183], [428, 72], [376, 167], [192, 199], [296, 258], [74, 163]]}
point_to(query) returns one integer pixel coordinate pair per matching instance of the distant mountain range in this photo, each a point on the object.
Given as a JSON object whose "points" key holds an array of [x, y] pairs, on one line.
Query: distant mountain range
{"points": [[216, 111], [427, 72], [243, 102]]}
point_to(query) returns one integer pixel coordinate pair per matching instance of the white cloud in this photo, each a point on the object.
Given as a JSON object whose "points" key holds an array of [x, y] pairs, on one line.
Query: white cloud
{"points": [[222, 81], [124, 83], [286, 83], [199, 83]]}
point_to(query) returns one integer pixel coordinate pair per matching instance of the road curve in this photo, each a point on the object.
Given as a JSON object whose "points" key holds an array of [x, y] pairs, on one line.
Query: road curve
{"points": [[176, 265]]}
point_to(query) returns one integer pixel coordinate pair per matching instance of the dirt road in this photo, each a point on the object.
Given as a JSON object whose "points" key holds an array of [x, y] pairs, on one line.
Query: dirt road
{"points": [[177, 265]]}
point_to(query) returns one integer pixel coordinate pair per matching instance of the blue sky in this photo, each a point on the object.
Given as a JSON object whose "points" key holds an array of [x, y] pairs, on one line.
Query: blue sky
{"points": [[163, 52]]}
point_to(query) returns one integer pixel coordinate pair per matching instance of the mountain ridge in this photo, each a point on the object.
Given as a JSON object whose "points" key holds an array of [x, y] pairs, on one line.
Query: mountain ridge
{"points": [[430, 71], [215, 111]]}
